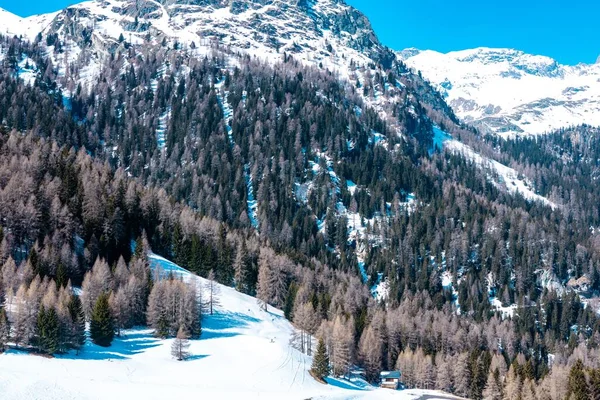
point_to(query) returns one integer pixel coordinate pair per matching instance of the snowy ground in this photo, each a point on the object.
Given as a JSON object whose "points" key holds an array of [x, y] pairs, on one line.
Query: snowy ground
{"points": [[243, 352]]}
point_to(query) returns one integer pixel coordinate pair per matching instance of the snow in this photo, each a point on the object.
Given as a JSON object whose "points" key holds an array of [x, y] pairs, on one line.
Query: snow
{"points": [[13, 25], [27, 70], [502, 175], [505, 311], [378, 139], [512, 93], [381, 289], [351, 186], [449, 285], [243, 352], [439, 138], [161, 131], [252, 203]]}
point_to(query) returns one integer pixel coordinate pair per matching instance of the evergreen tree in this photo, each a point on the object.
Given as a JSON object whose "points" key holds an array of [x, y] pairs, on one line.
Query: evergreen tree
{"points": [[595, 384], [320, 365], [4, 329], [77, 325], [577, 388], [240, 269], [48, 330], [61, 278], [102, 329]]}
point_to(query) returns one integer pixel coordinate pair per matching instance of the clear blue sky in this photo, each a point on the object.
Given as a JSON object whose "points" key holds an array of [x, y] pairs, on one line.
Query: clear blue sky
{"points": [[567, 30]]}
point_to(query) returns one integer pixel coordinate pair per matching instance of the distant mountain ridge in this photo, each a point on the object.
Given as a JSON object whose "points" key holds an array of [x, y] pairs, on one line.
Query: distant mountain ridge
{"points": [[509, 92]]}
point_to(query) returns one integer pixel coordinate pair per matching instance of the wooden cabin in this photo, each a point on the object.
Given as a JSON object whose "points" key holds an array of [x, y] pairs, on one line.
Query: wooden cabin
{"points": [[390, 379]]}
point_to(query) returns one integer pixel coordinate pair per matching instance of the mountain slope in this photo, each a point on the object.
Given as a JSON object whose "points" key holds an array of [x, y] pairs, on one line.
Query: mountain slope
{"points": [[512, 93], [26, 27], [243, 352], [327, 32]]}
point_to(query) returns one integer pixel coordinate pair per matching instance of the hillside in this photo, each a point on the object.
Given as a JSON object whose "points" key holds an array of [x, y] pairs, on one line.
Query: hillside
{"points": [[509, 92], [244, 352], [280, 148]]}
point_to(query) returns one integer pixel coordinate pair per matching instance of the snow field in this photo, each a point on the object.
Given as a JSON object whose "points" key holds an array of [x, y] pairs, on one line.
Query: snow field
{"points": [[243, 353]]}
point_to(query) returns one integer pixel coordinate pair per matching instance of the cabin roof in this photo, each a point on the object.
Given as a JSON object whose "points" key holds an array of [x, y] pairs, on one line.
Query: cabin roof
{"points": [[390, 374]]}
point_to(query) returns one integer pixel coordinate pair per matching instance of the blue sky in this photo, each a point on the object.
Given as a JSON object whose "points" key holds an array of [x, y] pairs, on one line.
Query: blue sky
{"points": [[566, 30]]}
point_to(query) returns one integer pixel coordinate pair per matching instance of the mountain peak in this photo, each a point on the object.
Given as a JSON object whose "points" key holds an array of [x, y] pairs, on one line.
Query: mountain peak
{"points": [[508, 91]]}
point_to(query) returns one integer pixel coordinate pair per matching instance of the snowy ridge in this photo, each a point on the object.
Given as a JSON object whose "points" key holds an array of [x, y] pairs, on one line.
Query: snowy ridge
{"points": [[325, 32], [509, 92], [13, 25], [244, 352]]}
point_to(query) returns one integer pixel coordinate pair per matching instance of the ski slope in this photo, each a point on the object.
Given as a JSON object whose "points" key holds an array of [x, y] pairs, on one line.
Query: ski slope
{"points": [[243, 353]]}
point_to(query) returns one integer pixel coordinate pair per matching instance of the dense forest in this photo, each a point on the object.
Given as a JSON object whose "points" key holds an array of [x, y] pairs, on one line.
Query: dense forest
{"points": [[285, 183]]}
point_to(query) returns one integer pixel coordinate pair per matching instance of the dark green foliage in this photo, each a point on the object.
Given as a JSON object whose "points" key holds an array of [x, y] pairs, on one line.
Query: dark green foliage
{"points": [[77, 327], [48, 328], [102, 330], [61, 278], [595, 384], [4, 329], [320, 366], [578, 387]]}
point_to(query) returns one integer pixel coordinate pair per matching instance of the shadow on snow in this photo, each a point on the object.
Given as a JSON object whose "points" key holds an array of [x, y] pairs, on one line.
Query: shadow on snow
{"points": [[122, 348], [219, 325], [343, 384]]}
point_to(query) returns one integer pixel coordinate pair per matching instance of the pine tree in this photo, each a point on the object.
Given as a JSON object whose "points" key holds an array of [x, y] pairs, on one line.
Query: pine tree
{"points": [[102, 329], [77, 325], [4, 329], [48, 330], [61, 275], [320, 365], [371, 352], [595, 384], [577, 388], [181, 345], [529, 391]]}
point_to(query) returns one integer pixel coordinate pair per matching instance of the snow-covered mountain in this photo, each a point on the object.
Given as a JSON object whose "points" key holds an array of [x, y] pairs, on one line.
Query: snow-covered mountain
{"points": [[510, 92], [26, 27], [325, 32]]}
